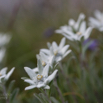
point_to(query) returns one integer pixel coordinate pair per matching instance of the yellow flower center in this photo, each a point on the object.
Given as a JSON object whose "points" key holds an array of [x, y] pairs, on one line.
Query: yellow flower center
{"points": [[56, 52], [43, 63], [39, 77], [79, 33]]}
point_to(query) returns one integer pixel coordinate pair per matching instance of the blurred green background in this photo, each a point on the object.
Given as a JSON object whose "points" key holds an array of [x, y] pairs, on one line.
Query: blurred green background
{"points": [[32, 23]]}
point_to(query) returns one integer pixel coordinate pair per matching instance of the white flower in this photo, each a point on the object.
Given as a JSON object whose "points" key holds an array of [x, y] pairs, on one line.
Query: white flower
{"points": [[40, 79], [59, 52], [45, 59], [75, 30], [4, 75], [4, 39], [97, 22]]}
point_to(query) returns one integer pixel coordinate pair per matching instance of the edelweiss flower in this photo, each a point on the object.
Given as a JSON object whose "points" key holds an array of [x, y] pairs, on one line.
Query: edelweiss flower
{"points": [[4, 75], [75, 30], [40, 79], [97, 22], [59, 52], [4, 39], [45, 59]]}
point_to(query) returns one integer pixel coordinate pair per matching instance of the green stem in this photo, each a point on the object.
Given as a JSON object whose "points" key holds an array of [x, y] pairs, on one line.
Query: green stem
{"points": [[59, 91], [5, 93], [67, 79], [46, 95], [63, 73]]}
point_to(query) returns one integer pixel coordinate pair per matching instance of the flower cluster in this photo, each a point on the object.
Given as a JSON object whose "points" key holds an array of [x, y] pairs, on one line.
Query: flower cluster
{"points": [[48, 58], [40, 76], [57, 52], [4, 39], [4, 76], [75, 30]]}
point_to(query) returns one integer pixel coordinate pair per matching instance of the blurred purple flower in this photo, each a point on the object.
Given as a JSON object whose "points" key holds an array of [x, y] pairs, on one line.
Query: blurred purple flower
{"points": [[48, 32], [93, 44]]}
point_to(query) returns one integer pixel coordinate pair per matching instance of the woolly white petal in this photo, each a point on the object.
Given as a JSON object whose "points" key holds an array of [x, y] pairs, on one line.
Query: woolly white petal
{"points": [[101, 28], [29, 81], [54, 46], [3, 76], [82, 27], [30, 87], [9, 73], [62, 43], [3, 71], [46, 51], [51, 77], [68, 37], [40, 85], [39, 65], [51, 60], [4, 39], [66, 53], [46, 87], [97, 14], [64, 49], [94, 22], [45, 71], [87, 33], [43, 56], [30, 72], [71, 22], [80, 18], [49, 45], [35, 70]]}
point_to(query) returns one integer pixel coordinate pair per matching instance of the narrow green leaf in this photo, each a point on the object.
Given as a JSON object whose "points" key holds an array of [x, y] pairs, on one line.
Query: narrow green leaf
{"points": [[11, 86], [14, 94]]}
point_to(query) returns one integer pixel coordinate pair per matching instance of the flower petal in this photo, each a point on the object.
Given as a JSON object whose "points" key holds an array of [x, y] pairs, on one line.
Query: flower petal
{"points": [[62, 43], [101, 28], [46, 87], [9, 73], [40, 85], [87, 33], [82, 27], [51, 60], [3, 71], [4, 39], [51, 77], [71, 22], [97, 14], [29, 81], [49, 45], [68, 37], [36, 70], [64, 49], [94, 22], [66, 53], [30, 72], [80, 18], [3, 76], [43, 57], [39, 65], [46, 51], [54, 46], [45, 71], [30, 87]]}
